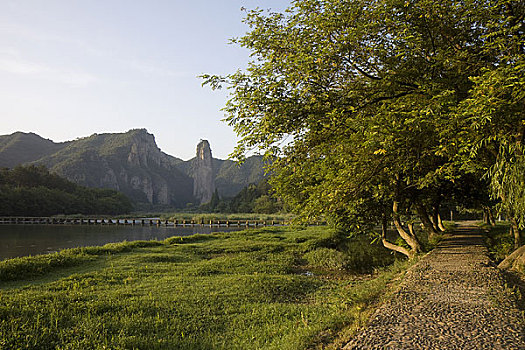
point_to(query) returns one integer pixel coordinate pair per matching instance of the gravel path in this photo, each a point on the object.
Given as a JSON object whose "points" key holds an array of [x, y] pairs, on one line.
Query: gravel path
{"points": [[452, 299]]}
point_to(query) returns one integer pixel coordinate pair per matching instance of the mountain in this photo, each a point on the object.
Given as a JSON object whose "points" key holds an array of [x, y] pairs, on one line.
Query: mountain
{"points": [[20, 148], [231, 178], [128, 162], [225, 176], [132, 163]]}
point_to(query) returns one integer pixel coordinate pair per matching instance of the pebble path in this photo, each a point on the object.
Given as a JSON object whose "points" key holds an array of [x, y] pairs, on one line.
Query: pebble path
{"points": [[453, 298]]}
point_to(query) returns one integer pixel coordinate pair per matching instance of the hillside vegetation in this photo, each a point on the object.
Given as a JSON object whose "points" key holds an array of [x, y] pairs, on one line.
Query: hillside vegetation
{"points": [[20, 148], [33, 191]]}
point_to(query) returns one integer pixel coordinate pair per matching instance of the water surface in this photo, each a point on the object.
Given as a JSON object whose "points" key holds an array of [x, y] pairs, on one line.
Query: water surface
{"points": [[23, 240]]}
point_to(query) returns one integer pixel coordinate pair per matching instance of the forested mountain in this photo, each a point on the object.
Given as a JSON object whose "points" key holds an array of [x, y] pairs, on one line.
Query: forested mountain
{"points": [[20, 148], [231, 178], [33, 191], [129, 162]]}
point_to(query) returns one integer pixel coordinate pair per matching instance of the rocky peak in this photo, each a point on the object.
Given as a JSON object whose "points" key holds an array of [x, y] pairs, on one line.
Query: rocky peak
{"points": [[203, 184], [204, 152], [144, 150]]}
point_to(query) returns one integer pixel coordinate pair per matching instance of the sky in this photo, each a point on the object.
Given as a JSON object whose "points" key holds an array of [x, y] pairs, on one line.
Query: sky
{"points": [[72, 68]]}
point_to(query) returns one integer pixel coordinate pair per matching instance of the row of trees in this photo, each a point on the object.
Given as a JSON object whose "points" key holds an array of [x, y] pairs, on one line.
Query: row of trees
{"points": [[385, 109], [33, 191]]}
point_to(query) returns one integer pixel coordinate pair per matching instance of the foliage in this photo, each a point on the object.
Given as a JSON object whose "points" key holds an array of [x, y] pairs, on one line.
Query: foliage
{"points": [[34, 191], [492, 119], [230, 291], [498, 241], [356, 97], [496, 112], [265, 205], [249, 200]]}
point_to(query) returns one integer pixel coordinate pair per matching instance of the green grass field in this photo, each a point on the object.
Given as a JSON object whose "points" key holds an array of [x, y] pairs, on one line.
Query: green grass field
{"points": [[269, 288]]}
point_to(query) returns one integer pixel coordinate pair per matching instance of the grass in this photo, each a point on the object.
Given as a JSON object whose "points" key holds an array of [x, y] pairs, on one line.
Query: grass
{"points": [[197, 217], [499, 242], [268, 288]]}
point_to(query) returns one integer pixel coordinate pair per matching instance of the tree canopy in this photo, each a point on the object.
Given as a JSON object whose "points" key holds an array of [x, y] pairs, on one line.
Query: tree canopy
{"points": [[33, 191], [365, 104]]}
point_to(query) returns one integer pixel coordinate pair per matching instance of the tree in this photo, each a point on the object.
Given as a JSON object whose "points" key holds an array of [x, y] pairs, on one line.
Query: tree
{"points": [[264, 205], [493, 117], [354, 99], [30, 190]]}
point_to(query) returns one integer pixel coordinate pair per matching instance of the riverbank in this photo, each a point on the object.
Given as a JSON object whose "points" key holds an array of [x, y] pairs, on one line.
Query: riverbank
{"points": [[24, 240], [271, 288]]}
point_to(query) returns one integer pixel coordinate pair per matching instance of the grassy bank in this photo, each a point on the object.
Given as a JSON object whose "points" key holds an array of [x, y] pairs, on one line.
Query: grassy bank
{"points": [[197, 217], [223, 216], [271, 288], [499, 242]]}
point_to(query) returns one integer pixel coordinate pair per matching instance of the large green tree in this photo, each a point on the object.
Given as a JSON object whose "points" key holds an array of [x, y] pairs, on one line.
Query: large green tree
{"points": [[492, 119], [354, 97]]}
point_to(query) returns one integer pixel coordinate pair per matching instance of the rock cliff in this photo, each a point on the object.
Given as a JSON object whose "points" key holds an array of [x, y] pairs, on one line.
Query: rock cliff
{"points": [[129, 162], [203, 180], [132, 163]]}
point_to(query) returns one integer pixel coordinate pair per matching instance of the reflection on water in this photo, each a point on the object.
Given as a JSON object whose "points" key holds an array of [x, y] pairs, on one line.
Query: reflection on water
{"points": [[22, 240]]}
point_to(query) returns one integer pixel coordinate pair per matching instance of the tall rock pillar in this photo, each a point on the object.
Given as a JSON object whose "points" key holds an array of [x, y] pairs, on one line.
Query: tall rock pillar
{"points": [[203, 184]]}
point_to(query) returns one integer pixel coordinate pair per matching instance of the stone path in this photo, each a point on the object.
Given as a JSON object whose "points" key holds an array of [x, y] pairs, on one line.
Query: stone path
{"points": [[452, 299]]}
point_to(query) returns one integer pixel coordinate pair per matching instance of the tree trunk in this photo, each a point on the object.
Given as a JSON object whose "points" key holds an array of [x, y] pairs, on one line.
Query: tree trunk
{"points": [[440, 224], [488, 217], [411, 239], [508, 262], [423, 216], [389, 245], [434, 218], [492, 220], [433, 221], [516, 232], [410, 226]]}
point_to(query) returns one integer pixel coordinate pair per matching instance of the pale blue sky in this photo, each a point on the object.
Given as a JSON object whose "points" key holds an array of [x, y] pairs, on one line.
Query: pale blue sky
{"points": [[71, 68]]}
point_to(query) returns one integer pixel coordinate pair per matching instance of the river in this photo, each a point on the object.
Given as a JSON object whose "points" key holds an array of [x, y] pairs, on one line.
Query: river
{"points": [[23, 240]]}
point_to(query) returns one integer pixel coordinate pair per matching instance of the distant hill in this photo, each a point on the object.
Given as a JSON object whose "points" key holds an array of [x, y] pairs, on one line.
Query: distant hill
{"points": [[129, 162], [21, 148], [231, 178], [33, 191]]}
